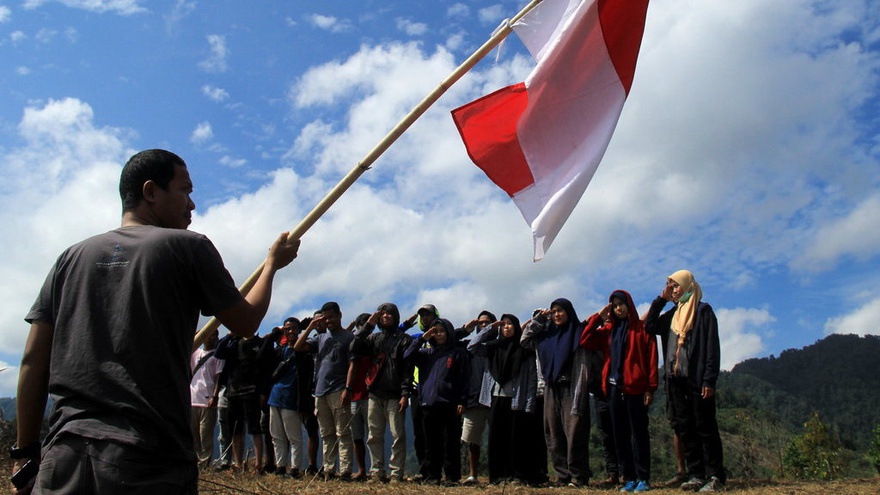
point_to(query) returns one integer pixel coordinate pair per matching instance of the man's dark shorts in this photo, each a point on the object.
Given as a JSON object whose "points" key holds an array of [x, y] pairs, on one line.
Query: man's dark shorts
{"points": [[245, 410]]}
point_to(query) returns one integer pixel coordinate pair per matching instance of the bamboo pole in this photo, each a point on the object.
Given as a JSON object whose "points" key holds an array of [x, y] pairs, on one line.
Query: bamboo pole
{"points": [[377, 151]]}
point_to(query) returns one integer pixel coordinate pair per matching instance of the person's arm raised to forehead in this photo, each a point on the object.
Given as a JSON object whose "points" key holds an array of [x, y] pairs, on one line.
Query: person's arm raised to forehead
{"points": [[244, 317]]}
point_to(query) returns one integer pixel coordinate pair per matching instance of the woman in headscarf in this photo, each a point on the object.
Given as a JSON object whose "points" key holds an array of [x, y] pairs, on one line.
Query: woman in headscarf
{"points": [[568, 372], [512, 417], [629, 379], [692, 361], [444, 370]]}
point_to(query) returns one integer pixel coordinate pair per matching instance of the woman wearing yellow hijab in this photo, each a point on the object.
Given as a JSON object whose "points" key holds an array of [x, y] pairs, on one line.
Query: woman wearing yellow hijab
{"points": [[692, 361]]}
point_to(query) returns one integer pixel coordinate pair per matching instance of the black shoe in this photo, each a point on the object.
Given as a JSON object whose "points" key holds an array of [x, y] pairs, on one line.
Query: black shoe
{"points": [[294, 473], [312, 470]]}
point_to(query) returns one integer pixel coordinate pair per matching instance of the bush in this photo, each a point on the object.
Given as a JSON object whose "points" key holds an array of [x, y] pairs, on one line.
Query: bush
{"points": [[814, 455], [874, 452]]}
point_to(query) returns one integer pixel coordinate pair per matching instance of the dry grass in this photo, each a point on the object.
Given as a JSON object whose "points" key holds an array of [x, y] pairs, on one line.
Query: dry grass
{"points": [[247, 483]]}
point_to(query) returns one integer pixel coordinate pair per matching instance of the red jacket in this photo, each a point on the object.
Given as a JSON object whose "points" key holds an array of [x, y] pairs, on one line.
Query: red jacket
{"points": [[639, 357]]}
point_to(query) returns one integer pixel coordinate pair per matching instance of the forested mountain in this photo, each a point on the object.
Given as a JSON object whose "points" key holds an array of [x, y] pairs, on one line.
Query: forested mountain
{"points": [[837, 376]]}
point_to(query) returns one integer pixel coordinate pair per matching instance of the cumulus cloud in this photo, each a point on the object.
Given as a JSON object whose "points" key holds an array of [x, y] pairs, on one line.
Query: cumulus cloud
{"points": [[203, 133], [329, 23], [214, 93], [862, 321], [5, 14], [231, 162], [743, 332], [62, 184], [492, 14], [181, 9], [216, 61], [854, 235], [411, 27], [460, 10], [121, 7]]}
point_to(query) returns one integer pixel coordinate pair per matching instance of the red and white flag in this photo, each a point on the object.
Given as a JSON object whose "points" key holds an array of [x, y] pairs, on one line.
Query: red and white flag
{"points": [[541, 140]]}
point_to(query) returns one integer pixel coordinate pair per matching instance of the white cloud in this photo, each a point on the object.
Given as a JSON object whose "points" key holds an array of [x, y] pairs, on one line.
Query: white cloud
{"points": [[459, 10], [60, 186], [181, 9], [45, 35], [17, 36], [216, 61], [854, 235], [410, 27], [5, 14], [742, 333], [228, 161], [329, 23], [203, 133], [492, 14], [22, 70], [214, 93], [121, 7], [862, 321]]}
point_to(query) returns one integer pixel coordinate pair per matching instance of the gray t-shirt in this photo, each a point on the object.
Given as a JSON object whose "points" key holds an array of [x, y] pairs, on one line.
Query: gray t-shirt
{"points": [[332, 360], [124, 306]]}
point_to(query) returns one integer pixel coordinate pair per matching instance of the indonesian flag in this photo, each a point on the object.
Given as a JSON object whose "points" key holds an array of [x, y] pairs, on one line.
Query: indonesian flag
{"points": [[541, 140]]}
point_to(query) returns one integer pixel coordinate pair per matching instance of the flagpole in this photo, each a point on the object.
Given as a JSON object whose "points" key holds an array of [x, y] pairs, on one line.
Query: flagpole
{"points": [[377, 151]]}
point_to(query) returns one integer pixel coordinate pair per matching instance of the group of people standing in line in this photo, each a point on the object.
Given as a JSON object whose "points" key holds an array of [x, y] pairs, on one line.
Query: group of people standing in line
{"points": [[530, 384], [110, 341]]}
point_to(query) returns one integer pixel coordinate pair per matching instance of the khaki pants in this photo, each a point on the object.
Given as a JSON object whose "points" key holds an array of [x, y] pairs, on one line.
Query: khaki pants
{"points": [[202, 422], [382, 413], [334, 422]]}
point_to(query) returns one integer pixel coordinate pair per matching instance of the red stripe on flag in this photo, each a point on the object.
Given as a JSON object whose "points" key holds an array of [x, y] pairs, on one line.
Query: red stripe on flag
{"points": [[488, 129], [622, 26]]}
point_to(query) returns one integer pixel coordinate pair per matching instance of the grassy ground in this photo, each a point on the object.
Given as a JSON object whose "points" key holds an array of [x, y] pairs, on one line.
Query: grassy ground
{"points": [[247, 483]]}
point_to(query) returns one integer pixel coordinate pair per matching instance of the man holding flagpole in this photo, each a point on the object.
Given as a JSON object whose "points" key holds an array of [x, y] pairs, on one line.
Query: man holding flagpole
{"points": [[110, 339]]}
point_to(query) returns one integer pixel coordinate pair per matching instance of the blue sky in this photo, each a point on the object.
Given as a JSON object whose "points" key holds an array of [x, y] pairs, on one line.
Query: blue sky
{"points": [[747, 152]]}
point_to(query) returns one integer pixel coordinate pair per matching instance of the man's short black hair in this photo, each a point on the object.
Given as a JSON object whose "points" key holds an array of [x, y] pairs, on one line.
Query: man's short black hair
{"points": [[331, 306], [155, 165]]}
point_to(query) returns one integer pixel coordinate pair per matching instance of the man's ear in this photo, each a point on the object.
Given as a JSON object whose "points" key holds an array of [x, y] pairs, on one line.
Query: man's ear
{"points": [[149, 191]]}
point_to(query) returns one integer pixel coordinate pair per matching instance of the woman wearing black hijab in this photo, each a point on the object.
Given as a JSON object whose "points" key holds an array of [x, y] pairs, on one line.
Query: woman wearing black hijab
{"points": [[513, 418], [568, 371]]}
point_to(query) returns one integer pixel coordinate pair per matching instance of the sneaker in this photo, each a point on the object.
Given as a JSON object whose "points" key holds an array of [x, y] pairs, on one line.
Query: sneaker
{"points": [[294, 473], [713, 485], [628, 487], [345, 476], [470, 480], [692, 484], [312, 470], [222, 467], [574, 484], [676, 480], [642, 486], [281, 471]]}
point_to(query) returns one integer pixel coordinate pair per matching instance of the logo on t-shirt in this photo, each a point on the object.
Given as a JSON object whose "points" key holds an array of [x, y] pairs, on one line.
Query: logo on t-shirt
{"points": [[116, 258]]}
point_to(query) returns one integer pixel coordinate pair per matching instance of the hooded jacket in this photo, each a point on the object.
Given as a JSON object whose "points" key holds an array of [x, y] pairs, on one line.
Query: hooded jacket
{"points": [[444, 370], [523, 374], [702, 344], [638, 366], [390, 376]]}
